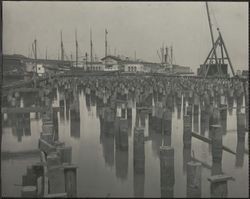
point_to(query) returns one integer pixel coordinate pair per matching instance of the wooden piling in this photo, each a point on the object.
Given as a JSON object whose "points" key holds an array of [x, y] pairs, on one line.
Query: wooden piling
{"points": [[70, 181], [167, 171], [167, 123], [187, 131], [241, 124], [223, 118], [216, 143], [65, 154], [240, 150], [53, 159], [139, 150], [193, 180]]}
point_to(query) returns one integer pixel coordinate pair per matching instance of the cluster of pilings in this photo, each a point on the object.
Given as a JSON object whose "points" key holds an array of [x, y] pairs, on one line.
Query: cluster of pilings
{"points": [[54, 175]]}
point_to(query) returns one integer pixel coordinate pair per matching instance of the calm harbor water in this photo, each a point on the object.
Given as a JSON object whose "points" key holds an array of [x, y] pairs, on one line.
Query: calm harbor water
{"points": [[101, 132]]}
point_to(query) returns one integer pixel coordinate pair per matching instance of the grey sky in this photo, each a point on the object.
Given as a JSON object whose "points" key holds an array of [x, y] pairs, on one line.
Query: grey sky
{"points": [[132, 26]]}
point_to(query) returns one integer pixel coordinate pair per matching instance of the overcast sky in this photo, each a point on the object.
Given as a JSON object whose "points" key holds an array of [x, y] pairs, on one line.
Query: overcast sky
{"points": [[132, 26]]}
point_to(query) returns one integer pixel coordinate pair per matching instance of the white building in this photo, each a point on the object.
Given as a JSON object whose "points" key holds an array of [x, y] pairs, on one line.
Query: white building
{"points": [[94, 66], [40, 70], [133, 67]]}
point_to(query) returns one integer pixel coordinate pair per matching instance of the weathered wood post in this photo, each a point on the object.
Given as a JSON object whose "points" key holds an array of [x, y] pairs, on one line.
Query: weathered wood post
{"points": [[241, 131], [240, 150], [214, 118], [193, 180], [187, 131], [55, 123], [53, 159], [216, 143], [167, 171], [218, 186], [223, 118], [196, 118], [30, 178], [239, 101], [241, 124], [219, 189], [167, 127], [139, 162], [70, 175], [65, 154]]}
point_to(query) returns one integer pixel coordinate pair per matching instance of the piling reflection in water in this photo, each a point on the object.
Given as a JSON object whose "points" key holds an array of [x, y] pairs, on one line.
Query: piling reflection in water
{"points": [[139, 162], [121, 143], [187, 136], [107, 136], [20, 124], [240, 149]]}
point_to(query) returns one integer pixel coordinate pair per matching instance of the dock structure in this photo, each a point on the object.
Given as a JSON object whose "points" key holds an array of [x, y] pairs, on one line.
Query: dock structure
{"points": [[55, 175]]}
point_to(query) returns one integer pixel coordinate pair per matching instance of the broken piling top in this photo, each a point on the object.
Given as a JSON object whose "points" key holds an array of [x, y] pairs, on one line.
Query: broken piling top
{"points": [[123, 124], [216, 126], [53, 159], [219, 178], [194, 164], [167, 151], [139, 130], [29, 192], [216, 131]]}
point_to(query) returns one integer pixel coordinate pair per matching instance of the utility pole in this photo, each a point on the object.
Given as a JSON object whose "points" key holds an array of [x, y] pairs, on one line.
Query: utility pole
{"points": [[212, 38], [62, 50], [76, 48]]}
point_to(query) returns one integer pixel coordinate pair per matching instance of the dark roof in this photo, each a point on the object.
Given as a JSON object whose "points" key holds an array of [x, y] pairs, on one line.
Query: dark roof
{"points": [[94, 62], [14, 56], [112, 57]]}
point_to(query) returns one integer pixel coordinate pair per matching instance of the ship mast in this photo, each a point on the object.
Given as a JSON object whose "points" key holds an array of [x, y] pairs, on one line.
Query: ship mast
{"points": [[76, 48], [91, 47], [62, 50]]}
